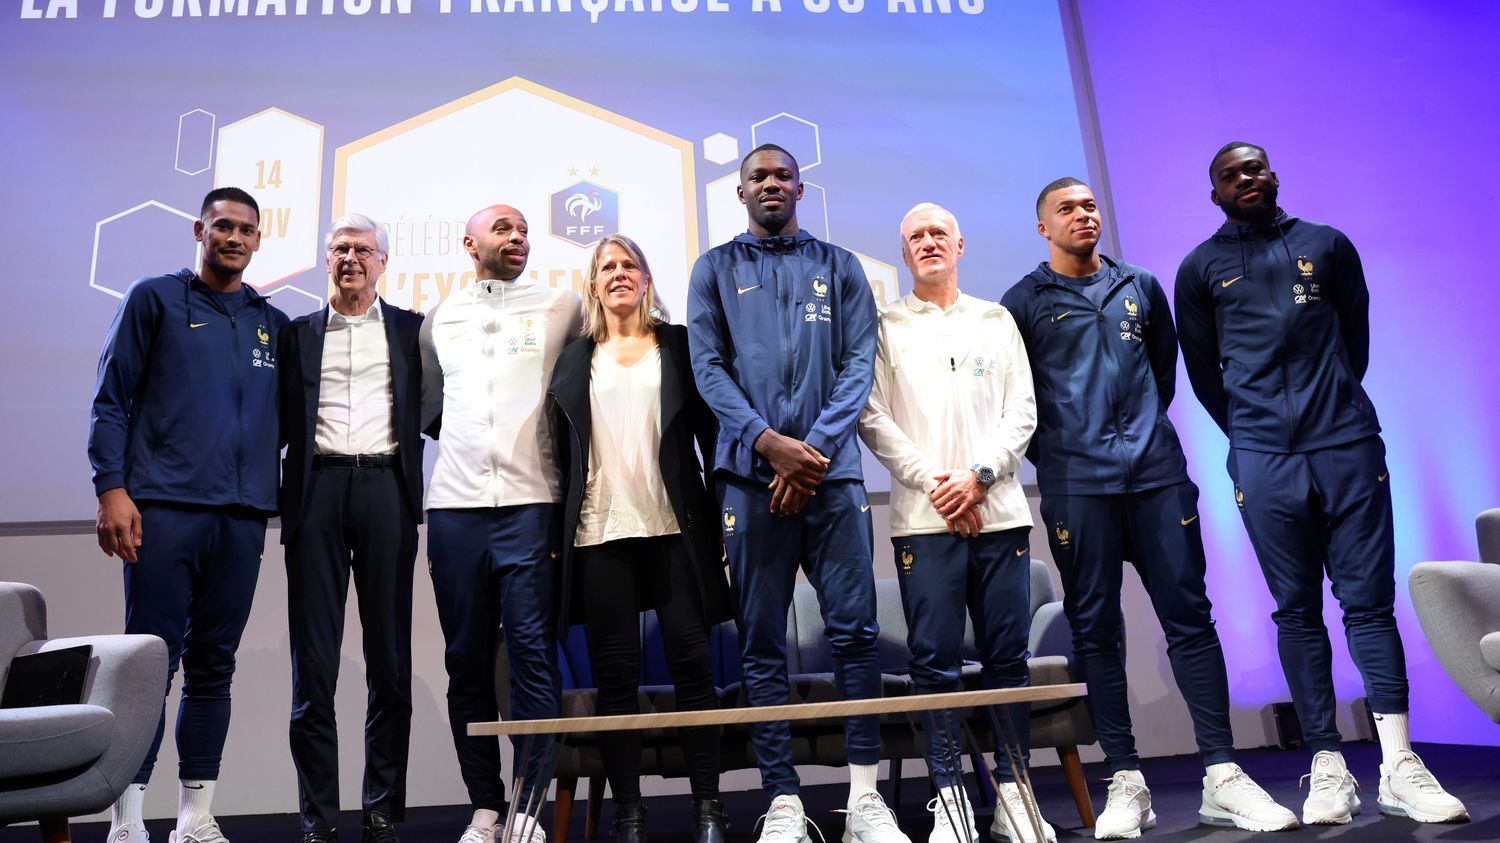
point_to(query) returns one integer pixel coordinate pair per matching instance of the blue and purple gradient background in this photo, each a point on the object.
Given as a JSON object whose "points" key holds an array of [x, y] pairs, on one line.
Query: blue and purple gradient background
{"points": [[1380, 119]]}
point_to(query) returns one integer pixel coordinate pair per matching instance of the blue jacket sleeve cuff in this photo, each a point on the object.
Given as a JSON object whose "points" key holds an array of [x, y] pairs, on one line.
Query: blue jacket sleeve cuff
{"points": [[752, 432], [105, 481], [825, 445]]}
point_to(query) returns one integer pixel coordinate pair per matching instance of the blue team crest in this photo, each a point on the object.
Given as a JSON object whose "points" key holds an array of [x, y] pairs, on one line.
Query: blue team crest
{"points": [[585, 212]]}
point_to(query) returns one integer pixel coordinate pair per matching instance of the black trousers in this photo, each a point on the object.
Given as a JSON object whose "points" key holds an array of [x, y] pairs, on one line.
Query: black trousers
{"points": [[355, 520], [620, 579]]}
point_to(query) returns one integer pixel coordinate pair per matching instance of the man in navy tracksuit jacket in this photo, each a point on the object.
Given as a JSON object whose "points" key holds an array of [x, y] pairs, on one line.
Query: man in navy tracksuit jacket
{"points": [[1275, 332], [1115, 487], [184, 443], [782, 328]]}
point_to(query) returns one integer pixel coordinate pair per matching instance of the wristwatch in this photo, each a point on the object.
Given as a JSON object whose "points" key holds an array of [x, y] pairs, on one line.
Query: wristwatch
{"points": [[984, 474]]}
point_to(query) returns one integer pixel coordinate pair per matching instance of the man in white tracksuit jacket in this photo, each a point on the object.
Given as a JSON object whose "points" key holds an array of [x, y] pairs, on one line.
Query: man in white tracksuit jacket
{"points": [[950, 415]]}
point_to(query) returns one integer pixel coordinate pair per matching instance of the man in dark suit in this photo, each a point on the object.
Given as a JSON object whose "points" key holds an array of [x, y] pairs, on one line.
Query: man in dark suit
{"points": [[351, 499]]}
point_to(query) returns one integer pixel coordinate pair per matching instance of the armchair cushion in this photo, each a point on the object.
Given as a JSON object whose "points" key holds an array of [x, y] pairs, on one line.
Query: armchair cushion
{"points": [[1489, 649], [52, 738]]}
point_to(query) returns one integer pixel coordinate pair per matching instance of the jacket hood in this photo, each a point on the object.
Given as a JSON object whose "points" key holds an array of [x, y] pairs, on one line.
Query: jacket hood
{"points": [[1043, 273], [1277, 227], [781, 244]]}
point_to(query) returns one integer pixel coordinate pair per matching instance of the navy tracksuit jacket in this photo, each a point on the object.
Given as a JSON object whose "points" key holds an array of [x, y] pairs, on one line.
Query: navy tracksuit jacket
{"points": [[1274, 326]]}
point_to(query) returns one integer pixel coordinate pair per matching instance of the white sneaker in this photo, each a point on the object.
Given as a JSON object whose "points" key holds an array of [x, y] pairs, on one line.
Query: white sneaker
{"points": [[1330, 792], [1013, 821], [1409, 790], [129, 833], [478, 834], [868, 820], [784, 822], [526, 829], [951, 811], [1127, 808], [1239, 802], [207, 833]]}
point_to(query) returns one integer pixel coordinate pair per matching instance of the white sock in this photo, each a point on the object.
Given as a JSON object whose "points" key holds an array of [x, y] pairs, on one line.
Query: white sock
{"points": [[485, 818], [1394, 731], [129, 808], [1217, 773], [862, 779], [1132, 776], [194, 804]]}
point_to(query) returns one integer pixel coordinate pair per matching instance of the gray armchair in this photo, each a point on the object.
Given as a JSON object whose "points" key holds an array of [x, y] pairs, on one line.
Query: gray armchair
{"points": [[62, 761], [1458, 604]]}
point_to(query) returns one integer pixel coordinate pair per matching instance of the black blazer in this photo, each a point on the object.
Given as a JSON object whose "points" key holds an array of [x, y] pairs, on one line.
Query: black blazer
{"points": [[685, 419], [300, 370]]}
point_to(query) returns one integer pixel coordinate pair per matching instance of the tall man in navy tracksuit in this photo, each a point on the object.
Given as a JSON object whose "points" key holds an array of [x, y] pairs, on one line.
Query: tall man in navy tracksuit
{"points": [[1275, 320], [1115, 487], [782, 328], [183, 442]]}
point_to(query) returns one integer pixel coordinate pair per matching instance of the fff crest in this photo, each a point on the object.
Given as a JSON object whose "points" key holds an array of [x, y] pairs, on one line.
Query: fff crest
{"points": [[584, 212]]}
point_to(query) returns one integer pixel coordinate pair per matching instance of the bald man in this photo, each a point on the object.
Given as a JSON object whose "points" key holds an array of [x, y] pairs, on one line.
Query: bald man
{"points": [[487, 356]]}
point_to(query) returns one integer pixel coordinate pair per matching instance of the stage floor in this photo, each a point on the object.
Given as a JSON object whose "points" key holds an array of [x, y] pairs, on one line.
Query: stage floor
{"points": [[1471, 773]]}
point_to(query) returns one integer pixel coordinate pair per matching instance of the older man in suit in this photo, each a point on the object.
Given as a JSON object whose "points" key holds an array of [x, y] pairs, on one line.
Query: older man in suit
{"points": [[351, 499]]}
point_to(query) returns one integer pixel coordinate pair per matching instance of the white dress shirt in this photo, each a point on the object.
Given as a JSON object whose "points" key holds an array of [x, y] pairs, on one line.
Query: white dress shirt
{"points": [[952, 389], [487, 357], [625, 496], [354, 397]]}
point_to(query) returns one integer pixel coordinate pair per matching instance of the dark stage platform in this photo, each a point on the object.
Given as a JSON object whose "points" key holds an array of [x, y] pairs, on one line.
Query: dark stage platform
{"points": [[1471, 773]]}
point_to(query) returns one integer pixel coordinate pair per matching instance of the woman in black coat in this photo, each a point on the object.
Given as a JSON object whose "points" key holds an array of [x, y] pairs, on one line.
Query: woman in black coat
{"points": [[639, 528]]}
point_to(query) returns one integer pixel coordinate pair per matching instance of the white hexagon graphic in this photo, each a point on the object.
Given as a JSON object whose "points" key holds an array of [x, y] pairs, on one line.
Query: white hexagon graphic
{"points": [[884, 281], [195, 142], [277, 157], [726, 214], [812, 211], [720, 148], [142, 254], [792, 133], [299, 308], [424, 177]]}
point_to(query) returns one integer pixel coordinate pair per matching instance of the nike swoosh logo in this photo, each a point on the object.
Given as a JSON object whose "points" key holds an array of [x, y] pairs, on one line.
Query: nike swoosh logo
{"points": [[1060, 317], [744, 290], [552, 554], [1230, 281], [865, 508], [1187, 521], [1022, 551], [1381, 478], [196, 324]]}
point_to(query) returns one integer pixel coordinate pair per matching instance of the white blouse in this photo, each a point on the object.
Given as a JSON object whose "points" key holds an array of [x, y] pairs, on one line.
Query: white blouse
{"points": [[625, 496]]}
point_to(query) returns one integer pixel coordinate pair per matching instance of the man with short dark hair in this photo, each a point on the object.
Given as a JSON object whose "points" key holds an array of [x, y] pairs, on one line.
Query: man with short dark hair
{"points": [[782, 328], [1115, 487], [351, 410], [1275, 329], [492, 505], [183, 443]]}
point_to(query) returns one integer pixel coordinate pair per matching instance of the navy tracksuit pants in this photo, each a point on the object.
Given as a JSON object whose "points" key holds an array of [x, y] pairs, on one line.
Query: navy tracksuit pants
{"points": [[941, 575], [492, 567], [832, 539], [1092, 536], [192, 585], [1327, 510]]}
